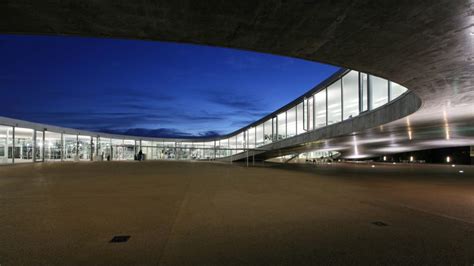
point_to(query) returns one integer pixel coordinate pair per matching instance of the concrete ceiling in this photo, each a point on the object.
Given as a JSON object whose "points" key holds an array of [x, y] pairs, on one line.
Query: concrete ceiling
{"points": [[427, 46]]}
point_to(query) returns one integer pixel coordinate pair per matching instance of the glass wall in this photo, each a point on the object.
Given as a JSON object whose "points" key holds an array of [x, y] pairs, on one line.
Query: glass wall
{"points": [[23, 145], [291, 122], [364, 92], [70, 147], [53, 146], [378, 92], [84, 148], [281, 133], [350, 101], [334, 102], [39, 146], [259, 135], [104, 149], [251, 138], [129, 149], [240, 141], [299, 118], [310, 122], [268, 131], [320, 99], [6, 144], [396, 90]]}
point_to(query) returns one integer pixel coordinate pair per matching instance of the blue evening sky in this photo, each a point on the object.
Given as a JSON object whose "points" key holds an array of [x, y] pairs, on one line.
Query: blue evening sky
{"points": [[145, 87]]}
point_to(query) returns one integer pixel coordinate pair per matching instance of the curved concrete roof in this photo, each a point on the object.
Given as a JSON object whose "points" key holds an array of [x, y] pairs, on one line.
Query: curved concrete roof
{"points": [[426, 46]]}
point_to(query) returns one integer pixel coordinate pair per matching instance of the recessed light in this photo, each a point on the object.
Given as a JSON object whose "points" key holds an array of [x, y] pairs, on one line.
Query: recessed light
{"points": [[453, 165], [461, 171], [373, 166]]}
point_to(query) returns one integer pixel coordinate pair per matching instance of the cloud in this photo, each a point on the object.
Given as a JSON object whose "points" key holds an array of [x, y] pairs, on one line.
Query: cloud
{"points": [[161, 133], [233, 100]]}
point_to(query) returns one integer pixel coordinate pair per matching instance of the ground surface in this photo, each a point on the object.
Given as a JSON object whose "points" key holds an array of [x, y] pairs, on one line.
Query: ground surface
{"points": [[215, 214]]}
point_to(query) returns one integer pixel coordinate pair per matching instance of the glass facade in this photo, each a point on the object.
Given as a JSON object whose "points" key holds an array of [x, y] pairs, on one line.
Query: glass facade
{"points": [[364, 92], [53, 146], [281, 133], [320, 99], [291, 122], [300, 119], [268, 131], [396, 90], [345, 97], [23, 148], [378, 92], [334, 102], [84, 148], [350, 101]]}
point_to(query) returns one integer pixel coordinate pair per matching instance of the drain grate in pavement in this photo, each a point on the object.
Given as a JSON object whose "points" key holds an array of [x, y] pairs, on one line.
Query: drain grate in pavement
{"points": [[119, 239], [379, 223]]}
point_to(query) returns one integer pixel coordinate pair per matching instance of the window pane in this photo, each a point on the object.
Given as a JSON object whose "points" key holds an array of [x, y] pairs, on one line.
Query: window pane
{"points": [[364, 91], [291, 122], [299, 115], [233, 144], [84, 145], [281, 126], [311, 113], [396, 90], [268, 131], [320, 99], [39, 146], [240, 141], [53, 146], [350, 85], [251, 138], [23, 145], [104, 149], [259, 133], [6, 142], [378, 91], [70, 142], [334, 102]]}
